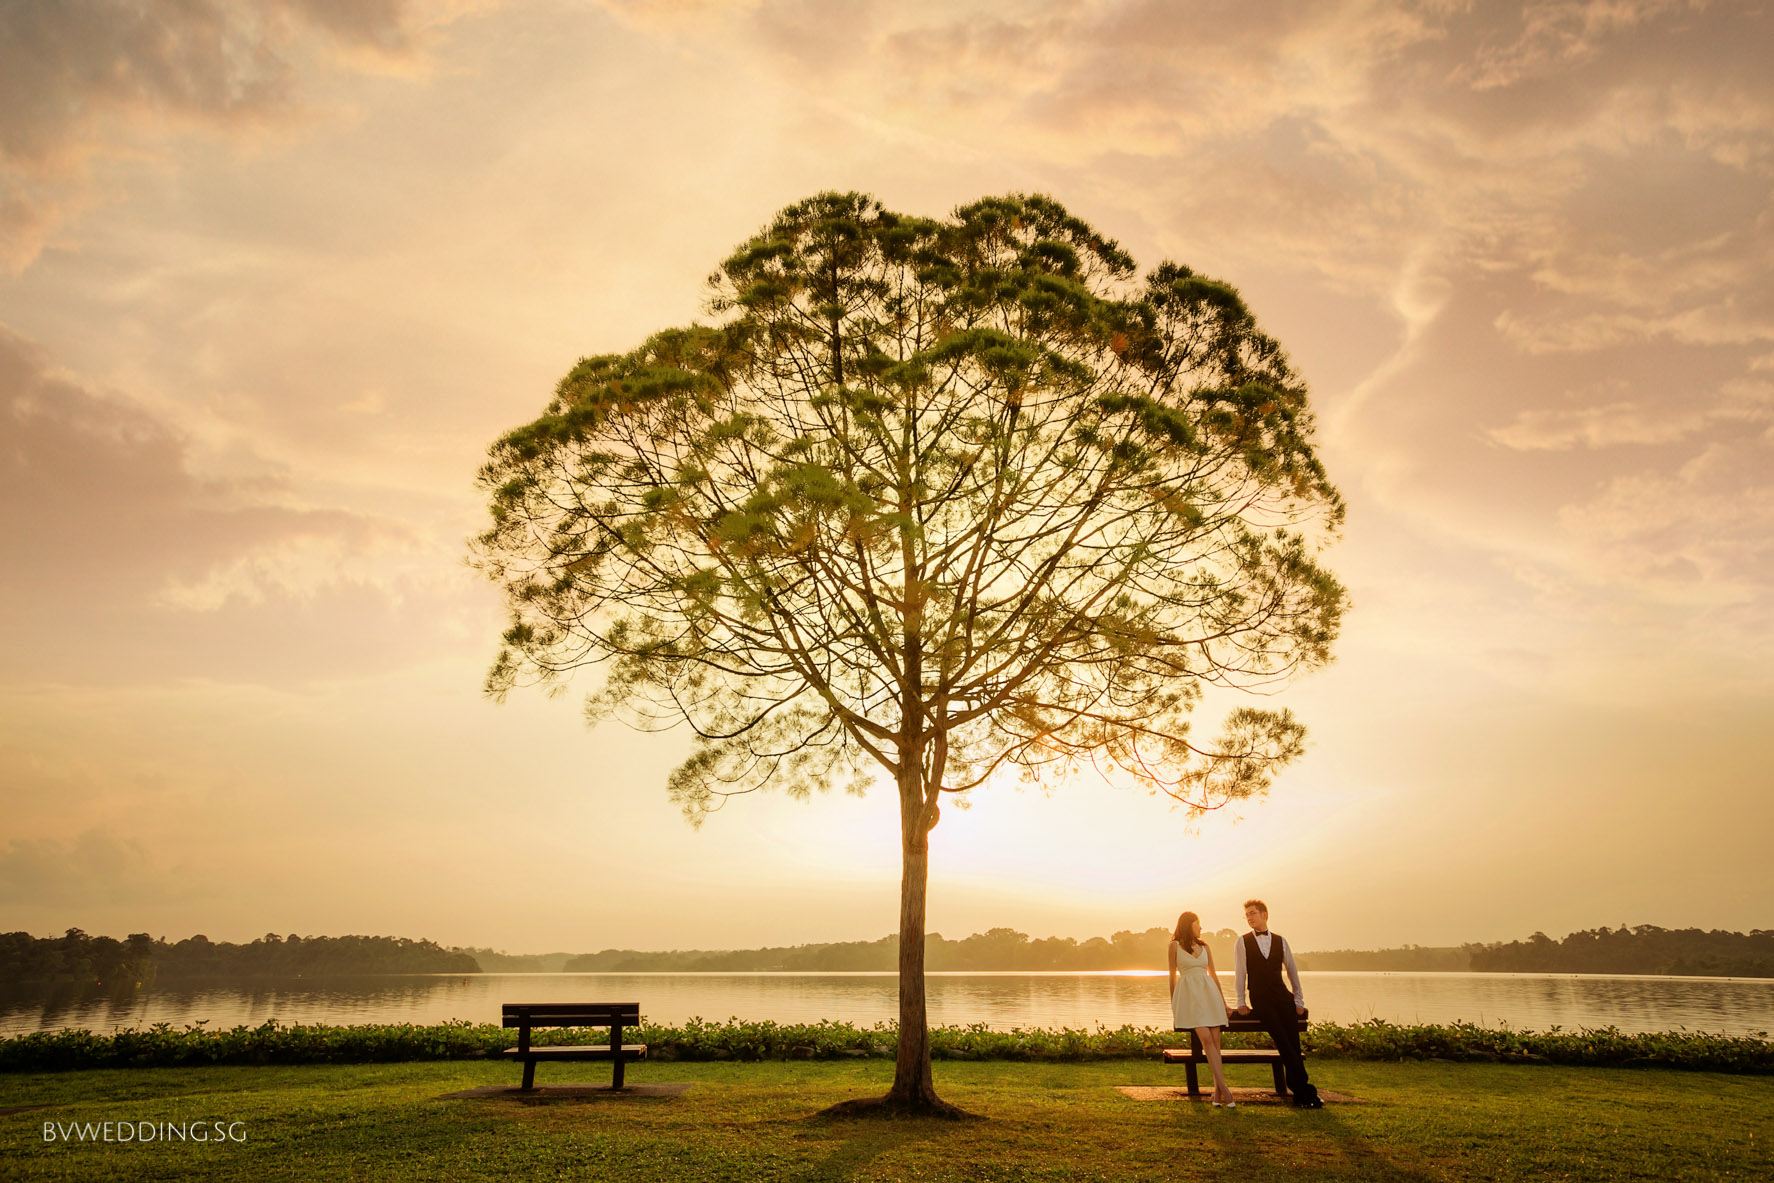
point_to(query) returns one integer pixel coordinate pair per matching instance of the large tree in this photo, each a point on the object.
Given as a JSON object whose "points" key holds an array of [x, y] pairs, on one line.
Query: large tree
{"points": [[935, 500]]}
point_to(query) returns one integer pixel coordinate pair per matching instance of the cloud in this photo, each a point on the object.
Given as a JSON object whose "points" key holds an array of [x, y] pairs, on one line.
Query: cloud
{"points": [[1703, 532], [95, 490], [1557, 36], [1670, 570], [83, 80], [1605, 511], [1606, 425], [96, 868], [1359, 139], [124, 563]]}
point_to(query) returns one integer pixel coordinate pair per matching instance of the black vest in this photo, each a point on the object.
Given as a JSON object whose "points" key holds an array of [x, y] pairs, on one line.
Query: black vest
{"points": [[1267, 991]]}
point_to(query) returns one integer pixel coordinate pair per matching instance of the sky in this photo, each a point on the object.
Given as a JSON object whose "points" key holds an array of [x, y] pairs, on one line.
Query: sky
{"points": [[275, 273]]}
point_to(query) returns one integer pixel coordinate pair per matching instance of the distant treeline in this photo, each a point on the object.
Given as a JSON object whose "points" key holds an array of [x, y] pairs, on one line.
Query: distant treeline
{"points": [[79, 959], [1406, 958], [76, 958], [494, 962], [995, 949], [1646, 949]]}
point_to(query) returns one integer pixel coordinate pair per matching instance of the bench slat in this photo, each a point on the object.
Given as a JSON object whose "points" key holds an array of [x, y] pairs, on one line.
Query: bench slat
{"points": [[1247, 1023], [578, 1051], [570, 1014], [1230, 1055]]}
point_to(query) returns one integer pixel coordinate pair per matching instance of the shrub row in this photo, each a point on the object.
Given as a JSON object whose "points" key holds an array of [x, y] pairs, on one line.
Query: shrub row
{"points": [[273, 1043]]}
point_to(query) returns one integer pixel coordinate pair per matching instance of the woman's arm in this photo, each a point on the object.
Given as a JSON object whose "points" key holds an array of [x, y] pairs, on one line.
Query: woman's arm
{"points": [[1173, 967]]}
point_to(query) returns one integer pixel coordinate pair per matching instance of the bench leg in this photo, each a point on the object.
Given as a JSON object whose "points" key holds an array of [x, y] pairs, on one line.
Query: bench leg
{"points": [[1194, 1082], [529, 1075], [1280, 1078], [616, 1074]]}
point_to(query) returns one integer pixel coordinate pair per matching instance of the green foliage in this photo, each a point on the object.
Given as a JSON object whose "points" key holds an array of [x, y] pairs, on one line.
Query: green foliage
{"points": [[931, 497], [1588, 1047], [698, 1040], [162, 1046]]}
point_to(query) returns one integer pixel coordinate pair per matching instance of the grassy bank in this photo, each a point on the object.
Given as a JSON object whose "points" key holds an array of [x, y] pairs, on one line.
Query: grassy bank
{"points": [[163, 1046], [749, 1121]]}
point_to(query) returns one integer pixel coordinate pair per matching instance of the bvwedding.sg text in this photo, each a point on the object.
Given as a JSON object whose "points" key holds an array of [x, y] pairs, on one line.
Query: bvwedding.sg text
{"points": [[144, 1131]]}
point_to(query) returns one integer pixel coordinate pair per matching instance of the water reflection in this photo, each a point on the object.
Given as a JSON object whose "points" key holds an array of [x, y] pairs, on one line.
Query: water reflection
{"points": [[1005, 1000]]}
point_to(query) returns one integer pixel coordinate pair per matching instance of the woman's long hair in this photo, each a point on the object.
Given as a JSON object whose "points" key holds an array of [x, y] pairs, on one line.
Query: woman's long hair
{"points": [[1185, 933]]}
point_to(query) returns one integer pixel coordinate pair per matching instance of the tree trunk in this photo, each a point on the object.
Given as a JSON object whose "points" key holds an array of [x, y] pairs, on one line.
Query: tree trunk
{"points": [[913, 1091], [912, 1085]]}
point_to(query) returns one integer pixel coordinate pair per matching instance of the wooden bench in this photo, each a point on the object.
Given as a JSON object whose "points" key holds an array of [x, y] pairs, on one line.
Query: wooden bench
{"points": [[615, 1015], [1229, 1056]]}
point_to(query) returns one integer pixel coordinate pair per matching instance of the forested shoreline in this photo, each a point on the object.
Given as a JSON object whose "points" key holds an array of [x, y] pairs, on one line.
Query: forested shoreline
{"points": [[1404, 959], [996, 949], [77, 958], [1645, 949]]}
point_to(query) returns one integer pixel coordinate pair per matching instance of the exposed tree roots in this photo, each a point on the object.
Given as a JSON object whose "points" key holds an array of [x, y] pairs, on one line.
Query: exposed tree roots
{"points": [[895, 1107]]}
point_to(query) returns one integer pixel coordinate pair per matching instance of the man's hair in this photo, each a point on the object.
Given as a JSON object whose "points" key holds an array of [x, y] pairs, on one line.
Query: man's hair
{"points": [[1259, 905]]}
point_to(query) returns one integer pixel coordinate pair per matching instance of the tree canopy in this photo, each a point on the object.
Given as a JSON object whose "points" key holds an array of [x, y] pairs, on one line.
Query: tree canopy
{"points": [[935, 498]]}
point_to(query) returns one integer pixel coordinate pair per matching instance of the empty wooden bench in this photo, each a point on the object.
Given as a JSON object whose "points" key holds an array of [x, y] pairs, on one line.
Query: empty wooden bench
{"points": [[526, 1016], [1229, 1056]]}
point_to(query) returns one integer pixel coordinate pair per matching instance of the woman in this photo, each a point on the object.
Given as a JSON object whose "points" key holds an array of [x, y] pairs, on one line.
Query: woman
{"points": [[1196, 999]]}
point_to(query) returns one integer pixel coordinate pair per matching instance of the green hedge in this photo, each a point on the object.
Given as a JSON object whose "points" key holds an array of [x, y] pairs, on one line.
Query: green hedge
{"points": [[272, 1043]]}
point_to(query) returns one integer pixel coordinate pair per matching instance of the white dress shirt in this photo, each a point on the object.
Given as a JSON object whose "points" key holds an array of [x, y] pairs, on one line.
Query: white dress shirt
{"points": [[1287, 959]]}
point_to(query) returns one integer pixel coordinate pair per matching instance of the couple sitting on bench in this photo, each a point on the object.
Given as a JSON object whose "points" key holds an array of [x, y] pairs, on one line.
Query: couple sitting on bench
{"points": [[1199, 1006]]}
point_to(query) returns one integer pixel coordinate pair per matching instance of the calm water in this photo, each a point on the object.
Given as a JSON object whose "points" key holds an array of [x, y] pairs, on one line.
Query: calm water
{"points": [[1737, 1006]]}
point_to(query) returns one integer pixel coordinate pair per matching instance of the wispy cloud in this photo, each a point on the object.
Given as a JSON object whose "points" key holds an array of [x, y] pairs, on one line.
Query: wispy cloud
{"points": [[1740, 401], [1702, 533], [1352, 136], [84, 80], [97, 868], [111, 537]]}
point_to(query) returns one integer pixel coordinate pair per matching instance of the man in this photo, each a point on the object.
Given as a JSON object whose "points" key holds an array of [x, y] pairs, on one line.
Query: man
{"points": [[1261, 956]]}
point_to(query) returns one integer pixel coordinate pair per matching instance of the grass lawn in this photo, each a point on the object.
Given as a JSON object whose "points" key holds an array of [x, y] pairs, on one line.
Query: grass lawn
{"points": [[1421, 1121]]}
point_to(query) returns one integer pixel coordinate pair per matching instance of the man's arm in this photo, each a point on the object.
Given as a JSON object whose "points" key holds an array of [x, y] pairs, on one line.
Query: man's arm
{"points": [[1238, 971], [1293, 974]]}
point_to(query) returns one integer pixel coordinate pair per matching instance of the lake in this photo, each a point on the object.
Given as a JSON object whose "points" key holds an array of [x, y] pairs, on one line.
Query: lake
{"points": [[1735, 1006]]}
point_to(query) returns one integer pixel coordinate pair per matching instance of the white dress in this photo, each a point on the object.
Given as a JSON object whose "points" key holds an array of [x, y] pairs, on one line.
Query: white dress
{"points": [[1197, 1001]]}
